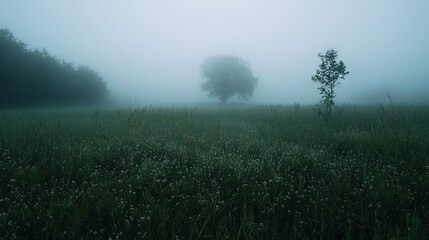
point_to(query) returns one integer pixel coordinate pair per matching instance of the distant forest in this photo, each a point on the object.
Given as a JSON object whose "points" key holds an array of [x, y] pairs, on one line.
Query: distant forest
{"points": [[31, 78]]}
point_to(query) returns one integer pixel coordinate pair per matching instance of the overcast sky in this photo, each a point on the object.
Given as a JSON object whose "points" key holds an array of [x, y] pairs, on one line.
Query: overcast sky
{"points": [[150, 51]]}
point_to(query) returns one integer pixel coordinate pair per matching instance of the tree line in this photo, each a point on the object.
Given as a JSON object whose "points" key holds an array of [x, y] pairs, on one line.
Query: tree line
{"points": [[36, 78]]}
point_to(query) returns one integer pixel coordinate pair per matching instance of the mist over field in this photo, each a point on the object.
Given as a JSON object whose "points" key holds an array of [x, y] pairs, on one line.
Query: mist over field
{"points": [[150, 52], [214, 119]]}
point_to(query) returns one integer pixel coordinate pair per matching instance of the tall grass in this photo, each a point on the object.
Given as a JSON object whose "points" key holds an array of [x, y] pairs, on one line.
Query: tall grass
{"points": [[267, 172]]}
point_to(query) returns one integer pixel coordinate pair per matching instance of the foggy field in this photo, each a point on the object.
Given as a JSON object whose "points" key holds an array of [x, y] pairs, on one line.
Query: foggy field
{"points": [[261, 172], [192, 119]]}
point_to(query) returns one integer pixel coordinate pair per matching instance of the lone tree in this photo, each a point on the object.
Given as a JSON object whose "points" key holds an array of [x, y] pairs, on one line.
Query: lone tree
{"points": [[226, 76], [328, 74]]}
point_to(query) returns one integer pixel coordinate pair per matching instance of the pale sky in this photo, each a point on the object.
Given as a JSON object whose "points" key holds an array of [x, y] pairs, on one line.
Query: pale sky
{"points": [[150, 51]]}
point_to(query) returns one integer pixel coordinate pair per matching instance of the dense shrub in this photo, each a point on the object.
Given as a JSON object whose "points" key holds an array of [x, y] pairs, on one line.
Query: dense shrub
{"points": [[35, 78]]}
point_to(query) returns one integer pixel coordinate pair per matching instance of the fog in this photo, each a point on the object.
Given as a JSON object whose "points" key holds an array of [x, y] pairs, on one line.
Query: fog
{"points": [[150, 51]]}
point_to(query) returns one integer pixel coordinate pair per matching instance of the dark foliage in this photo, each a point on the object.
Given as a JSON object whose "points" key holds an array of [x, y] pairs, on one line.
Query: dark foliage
{"points": [[328, 74], [226, 76], [36, 78]]}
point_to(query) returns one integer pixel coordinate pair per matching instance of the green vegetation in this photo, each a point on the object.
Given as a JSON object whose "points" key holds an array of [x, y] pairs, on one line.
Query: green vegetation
{"points": [[34, 78], [257, 173], [328, 74], [227, 76]]}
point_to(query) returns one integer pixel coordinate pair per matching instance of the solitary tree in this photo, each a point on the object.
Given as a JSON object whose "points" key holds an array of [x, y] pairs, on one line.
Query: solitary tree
{"points": [[226, 76], [328, 74]]}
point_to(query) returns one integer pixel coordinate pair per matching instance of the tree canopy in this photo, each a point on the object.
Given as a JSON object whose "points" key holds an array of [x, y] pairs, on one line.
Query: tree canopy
{"points": [[35, 78], [226, 76]]}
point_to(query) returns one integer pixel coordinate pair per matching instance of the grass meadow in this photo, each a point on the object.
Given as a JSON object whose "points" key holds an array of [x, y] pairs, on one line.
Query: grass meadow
{"points": [[262, 172]]}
